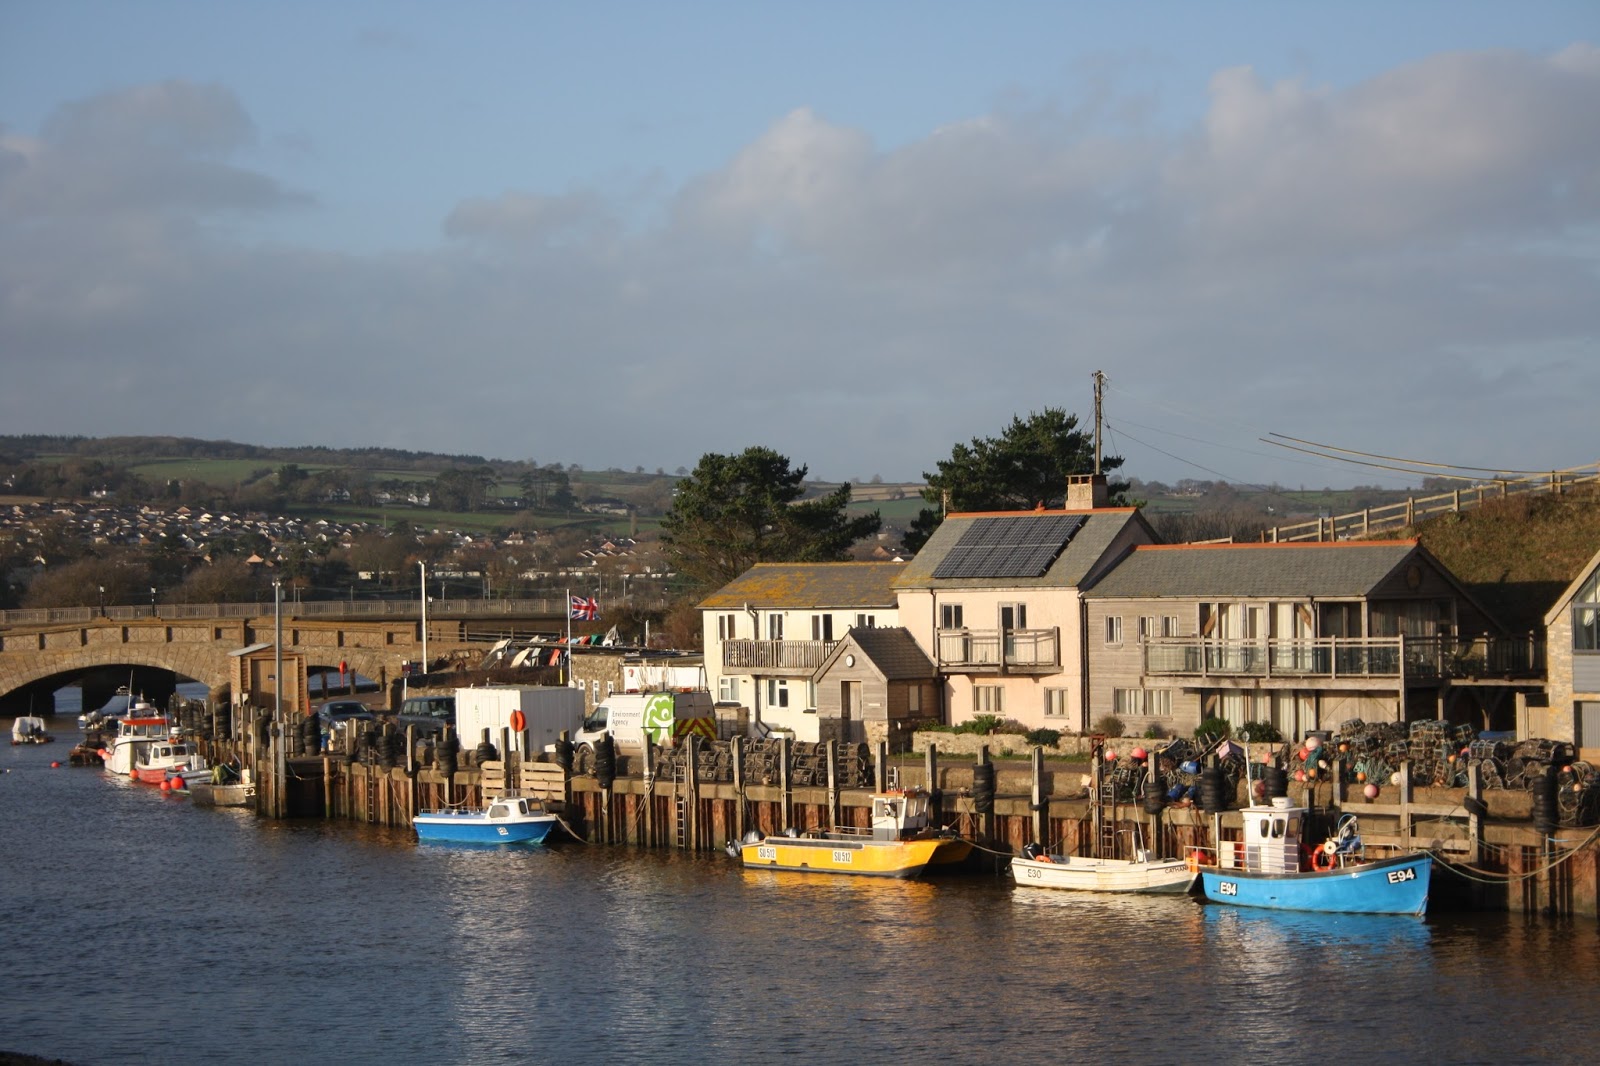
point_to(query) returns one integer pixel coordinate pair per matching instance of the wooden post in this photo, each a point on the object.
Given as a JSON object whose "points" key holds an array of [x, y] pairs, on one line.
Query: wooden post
{"points": [[1405, 805], [930, 781], [880, 767], [691, 804], [648, 799], [327, 787], [785, 782], [738, 788], [1039, 804], [831, 748], [988, 819]]}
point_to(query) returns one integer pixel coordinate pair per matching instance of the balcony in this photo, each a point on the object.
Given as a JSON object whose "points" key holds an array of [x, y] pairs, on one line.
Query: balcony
{"points": [[775, 658], [1408, 660], [999, 651]]}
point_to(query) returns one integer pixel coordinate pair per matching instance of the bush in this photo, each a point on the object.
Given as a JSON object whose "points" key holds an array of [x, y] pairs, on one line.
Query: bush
{"points": [[1044, 738], [1260, 733], [1212, 728], [1155, 732], [981, 724], [1110, 725]]}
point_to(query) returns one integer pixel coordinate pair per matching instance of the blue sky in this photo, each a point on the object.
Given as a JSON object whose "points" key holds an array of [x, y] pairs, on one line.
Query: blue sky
{"points": [[629, 234]]}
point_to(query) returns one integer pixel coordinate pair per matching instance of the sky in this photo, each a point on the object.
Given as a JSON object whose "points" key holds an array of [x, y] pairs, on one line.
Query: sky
{"points": [[860, 234]]}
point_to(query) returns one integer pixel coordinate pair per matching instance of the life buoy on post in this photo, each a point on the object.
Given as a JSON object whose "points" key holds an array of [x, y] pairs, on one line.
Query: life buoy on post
{"points": [[518, 722]]}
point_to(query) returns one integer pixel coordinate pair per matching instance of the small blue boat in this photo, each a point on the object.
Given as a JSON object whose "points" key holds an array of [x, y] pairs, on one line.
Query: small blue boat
{"points": [[507, 820], [1265, 870]]}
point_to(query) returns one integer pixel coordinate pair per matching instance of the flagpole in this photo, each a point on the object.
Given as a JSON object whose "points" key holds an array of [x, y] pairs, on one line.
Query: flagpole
{"points": [[566, 655]]}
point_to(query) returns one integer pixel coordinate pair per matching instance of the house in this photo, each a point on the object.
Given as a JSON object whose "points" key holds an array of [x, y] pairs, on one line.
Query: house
{"points": [[1572, 637], [994, 598], [768, 630], [1303, 636], [876, 685]]}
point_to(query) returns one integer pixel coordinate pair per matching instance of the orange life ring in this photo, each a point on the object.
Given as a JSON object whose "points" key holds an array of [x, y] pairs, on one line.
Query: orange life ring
{"points": [[1322, 860], [518, 722]]}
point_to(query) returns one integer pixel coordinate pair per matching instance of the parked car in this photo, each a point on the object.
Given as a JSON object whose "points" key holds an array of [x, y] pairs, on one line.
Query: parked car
{"points": [[335, 711], [430, 714]]}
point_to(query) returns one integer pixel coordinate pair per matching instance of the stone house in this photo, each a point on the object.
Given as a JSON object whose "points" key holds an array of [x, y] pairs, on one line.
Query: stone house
{"points": [[1572, 640]]}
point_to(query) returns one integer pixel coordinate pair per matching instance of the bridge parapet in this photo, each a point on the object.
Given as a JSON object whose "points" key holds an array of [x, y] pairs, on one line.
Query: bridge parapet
{"points": [[309, 609]]}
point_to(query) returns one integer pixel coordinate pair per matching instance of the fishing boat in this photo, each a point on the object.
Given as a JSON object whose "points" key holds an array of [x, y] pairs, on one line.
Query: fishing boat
{"points": [[1035, 868], [1267, 869], [503, 820], [139, 728], [162, 761], [902, 842], [29, 729]]}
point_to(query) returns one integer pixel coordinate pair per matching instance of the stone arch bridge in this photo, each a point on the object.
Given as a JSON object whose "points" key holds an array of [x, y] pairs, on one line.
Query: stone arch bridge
{"points": [[41, 651]]}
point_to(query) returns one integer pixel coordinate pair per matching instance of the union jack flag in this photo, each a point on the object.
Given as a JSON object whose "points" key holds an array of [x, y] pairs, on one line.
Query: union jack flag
{"points": [[587, 610]]}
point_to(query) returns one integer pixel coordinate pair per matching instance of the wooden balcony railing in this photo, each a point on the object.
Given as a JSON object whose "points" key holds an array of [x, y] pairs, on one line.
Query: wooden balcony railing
{"points": [[1416, 658], [775, 656], [999, 650]]}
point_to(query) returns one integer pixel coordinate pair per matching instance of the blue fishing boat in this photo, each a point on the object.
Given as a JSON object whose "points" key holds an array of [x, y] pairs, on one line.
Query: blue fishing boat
{"points": [[507, 820], [1266, 869]]}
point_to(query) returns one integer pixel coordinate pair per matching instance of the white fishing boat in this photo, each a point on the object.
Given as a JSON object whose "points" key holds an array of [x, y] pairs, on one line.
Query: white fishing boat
{"points": [[29, 729], [1143, 873], [136, 731]]}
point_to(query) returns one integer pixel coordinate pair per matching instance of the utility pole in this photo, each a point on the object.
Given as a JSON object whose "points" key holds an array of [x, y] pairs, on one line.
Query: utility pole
{"points": [[424, 567], [1099, 392]]}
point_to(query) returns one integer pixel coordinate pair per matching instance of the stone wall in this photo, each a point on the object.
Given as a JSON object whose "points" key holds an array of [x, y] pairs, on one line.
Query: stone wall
{"points": [[1001, 745]]}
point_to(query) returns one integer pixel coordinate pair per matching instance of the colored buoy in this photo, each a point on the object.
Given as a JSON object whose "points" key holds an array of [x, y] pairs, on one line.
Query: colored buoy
{"points": [[166, 786], [55, 766], [1371, 792]]}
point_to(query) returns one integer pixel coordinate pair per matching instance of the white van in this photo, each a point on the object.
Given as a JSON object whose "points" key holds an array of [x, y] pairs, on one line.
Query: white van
{"points": [[662, 718]]}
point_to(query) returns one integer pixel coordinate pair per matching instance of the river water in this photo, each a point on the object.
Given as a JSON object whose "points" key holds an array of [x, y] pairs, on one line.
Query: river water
{"points": [[142, 929]]}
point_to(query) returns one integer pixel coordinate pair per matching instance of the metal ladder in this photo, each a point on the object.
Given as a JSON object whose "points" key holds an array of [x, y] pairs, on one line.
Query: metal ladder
{"points": [[372, 794], [680, 801]]}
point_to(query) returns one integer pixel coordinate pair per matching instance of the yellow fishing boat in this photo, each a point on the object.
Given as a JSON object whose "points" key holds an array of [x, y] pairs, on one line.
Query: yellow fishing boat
{"points": [[901, 843]]}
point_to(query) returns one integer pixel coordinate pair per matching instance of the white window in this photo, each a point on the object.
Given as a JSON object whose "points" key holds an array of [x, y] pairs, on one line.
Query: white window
{"points": [[594, 692], [1158, 702], [777, 693], [866, 621], [822, 627], [611, 687], [725, 626], [950, 616], [988, 699], [1013, 616], [914, 699], [1169, 625], [774, 627], [1147, 626], [728, 690], [1113, 629], [1055, 702], [1126, 701]]}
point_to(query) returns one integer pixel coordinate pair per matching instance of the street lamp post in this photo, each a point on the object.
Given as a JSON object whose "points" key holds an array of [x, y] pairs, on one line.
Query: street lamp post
{"points": [[102, 601], [152, 601], [424, 568]]}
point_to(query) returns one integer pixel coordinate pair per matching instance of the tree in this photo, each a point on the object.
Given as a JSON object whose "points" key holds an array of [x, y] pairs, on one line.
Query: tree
{"points": [[1026, 466], [738, 510]]}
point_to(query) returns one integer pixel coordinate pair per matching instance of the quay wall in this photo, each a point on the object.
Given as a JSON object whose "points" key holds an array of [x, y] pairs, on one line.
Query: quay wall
{"points": [[1492, 861]]}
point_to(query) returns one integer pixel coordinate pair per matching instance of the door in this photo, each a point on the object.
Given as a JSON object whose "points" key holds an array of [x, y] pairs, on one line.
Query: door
{"points": [[849, 699]]}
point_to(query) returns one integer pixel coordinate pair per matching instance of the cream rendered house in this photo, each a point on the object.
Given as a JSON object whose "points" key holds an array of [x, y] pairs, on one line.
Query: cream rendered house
{"points": [[994, 600], [768, 631]]}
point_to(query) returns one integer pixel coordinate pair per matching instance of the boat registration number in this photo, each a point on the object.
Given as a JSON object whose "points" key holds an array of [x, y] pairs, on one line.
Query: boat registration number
{"points": [[1227, 888], [1033, 872], [504, 831], [1397, 876], [767, 853], [844, 857]]}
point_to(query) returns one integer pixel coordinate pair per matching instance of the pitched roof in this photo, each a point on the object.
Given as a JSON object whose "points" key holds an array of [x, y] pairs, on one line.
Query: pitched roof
{"points": [[1250, 571], [892, 650], [1088, 545], [801, 585]]}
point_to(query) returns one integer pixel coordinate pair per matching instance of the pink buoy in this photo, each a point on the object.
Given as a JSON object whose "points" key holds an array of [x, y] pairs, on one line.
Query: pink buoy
{"points": [[1313, 743], [1371, 792], [1299, 775]]}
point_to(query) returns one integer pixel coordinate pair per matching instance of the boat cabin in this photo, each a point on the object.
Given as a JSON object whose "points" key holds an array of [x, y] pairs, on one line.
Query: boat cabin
{"points": [[1271, 839], [899, 813], [516, 807]]}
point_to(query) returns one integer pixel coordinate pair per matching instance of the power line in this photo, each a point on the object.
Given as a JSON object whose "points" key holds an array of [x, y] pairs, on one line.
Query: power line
{"points": [[1395, 458], [1379, 466]]}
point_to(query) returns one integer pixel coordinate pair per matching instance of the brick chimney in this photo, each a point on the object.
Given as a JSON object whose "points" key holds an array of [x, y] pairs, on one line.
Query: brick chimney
{"points": [[1085, 492]]}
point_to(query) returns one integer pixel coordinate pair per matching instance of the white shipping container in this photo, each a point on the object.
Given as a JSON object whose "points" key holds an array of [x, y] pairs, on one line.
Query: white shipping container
{"points": [[545, 710]]}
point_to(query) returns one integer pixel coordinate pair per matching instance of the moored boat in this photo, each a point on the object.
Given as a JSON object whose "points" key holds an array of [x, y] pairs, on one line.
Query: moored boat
{"points": [[502, 820], [1142, 873], [1265, 869], [29, 729], [163, 760], [141, 727], [901, 843]]}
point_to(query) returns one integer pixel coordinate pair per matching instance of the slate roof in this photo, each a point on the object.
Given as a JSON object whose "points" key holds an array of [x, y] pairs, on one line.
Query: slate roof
{"points": [[1099, 530], [1253, 571], [892, 650], [797, 586]]}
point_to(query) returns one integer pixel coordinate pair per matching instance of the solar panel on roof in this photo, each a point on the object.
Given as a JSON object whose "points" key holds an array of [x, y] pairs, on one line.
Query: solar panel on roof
{"points": [[1020, 546]]}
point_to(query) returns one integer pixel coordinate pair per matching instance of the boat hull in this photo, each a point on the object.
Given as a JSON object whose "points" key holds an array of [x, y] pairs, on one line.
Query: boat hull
{"points": [[473, 827], [858, 856], [1104, 875], [1388, 886]]}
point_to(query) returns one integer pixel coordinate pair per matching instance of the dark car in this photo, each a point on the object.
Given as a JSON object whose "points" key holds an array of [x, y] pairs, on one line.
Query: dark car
{"points": [[430, 714], [335, 711]]}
